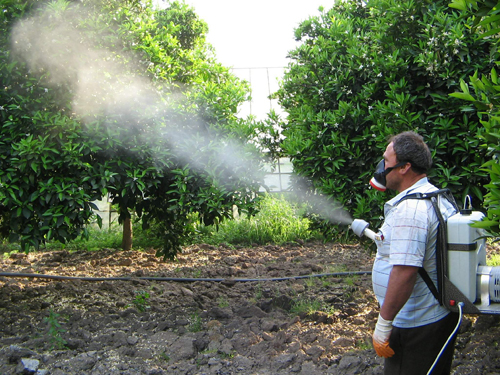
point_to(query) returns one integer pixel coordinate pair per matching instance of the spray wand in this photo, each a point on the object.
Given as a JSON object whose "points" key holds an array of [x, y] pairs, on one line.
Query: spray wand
{"points": [[360, 227]]}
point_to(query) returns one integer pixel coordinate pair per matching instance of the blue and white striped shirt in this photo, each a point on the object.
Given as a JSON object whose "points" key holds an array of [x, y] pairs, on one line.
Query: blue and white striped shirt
{"points": [[410, 233]]}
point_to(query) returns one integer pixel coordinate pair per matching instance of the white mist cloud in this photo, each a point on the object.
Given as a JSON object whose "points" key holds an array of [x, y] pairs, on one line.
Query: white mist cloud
{"points": [[108, 82]]}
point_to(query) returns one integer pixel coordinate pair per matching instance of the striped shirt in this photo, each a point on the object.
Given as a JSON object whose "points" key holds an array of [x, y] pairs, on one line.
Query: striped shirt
{"points": [[410, 233]]}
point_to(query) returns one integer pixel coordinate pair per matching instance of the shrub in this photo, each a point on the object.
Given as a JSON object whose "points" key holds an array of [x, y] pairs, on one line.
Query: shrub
{"points": [[365, 71]]}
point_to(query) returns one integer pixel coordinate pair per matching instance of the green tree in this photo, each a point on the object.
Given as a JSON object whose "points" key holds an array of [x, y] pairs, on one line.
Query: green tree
{"points": [[483, 91], [366, 70], [152, 115]]}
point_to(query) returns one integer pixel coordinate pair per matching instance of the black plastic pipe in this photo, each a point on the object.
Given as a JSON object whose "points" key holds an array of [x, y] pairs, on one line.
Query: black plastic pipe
{"points": [[178, 279]]}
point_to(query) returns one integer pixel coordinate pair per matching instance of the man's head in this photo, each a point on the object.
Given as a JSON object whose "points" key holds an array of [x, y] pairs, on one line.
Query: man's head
{"points": [[406, 160], [410, 147]]}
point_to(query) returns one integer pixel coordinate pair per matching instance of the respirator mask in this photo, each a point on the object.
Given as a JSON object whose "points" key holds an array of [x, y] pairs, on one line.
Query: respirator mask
{"points": [[378, 180]]}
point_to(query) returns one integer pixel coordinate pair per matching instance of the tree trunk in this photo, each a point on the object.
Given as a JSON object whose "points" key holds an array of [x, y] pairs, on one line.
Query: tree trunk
{"points": [[127, 234]]}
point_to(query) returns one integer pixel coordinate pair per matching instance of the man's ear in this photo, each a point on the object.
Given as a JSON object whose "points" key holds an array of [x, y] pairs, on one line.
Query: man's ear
{"points": [[405, 168]]}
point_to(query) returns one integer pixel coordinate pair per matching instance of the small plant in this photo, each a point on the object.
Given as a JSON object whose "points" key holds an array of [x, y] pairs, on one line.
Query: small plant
{"points": [[325, 282], [222, 302], [141, 300], [197, 273], [306, 306], [310, 282], [258, 291], [223, 355], [164, 356], [55, 330], [363, 344], [196, 325], [351, 280]]}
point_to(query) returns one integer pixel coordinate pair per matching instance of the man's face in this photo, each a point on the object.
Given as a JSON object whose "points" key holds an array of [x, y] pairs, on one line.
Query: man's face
{"points": [[392, 178]]}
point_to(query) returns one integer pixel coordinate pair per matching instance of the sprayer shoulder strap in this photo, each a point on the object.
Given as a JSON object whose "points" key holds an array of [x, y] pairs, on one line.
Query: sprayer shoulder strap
{"points": [[427, 279], [441, 249], [444, 192]]}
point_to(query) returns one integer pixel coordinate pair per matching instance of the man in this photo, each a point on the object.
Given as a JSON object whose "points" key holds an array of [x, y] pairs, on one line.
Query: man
{"points": [[412, 326]]}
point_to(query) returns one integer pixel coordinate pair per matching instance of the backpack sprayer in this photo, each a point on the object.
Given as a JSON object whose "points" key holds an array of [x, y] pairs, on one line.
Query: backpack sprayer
{"points": [[463, 277]]}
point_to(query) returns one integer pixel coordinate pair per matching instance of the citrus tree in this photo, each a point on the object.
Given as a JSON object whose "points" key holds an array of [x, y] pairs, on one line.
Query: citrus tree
{"points": [[483, 91], [366, 70], [119, 99]]}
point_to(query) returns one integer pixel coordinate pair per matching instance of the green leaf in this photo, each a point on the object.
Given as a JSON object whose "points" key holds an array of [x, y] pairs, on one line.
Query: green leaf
{"points": [[485, 224], [463, 96]]}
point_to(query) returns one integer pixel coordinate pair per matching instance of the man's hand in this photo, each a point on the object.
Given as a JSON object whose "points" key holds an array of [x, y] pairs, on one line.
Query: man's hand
{"points": [[381, 335]]}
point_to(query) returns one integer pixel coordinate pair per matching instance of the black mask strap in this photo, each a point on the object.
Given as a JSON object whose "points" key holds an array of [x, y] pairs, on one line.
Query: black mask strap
{"points": [[400, 164]]}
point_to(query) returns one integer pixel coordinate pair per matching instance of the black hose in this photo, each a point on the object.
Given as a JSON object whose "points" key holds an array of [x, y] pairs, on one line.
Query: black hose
{"points": [[177, 279]]}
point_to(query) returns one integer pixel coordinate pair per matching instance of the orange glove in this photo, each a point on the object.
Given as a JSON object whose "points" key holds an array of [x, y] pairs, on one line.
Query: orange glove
{"points": [[381, 335]]}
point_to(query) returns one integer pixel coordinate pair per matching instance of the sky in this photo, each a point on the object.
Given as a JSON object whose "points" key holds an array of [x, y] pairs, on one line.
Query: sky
{"points": [[255, 34]]}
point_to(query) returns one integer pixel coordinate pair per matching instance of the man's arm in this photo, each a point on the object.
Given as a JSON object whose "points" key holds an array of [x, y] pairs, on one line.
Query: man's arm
{"points": [[401, 282]]}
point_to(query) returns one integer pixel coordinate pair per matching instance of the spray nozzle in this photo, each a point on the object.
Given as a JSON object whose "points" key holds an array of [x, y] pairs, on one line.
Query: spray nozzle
{"points": [[360, 227]]}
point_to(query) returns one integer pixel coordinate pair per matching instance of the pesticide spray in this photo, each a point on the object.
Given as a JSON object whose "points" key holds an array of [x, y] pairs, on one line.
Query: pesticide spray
{"points": [[108, 84]]}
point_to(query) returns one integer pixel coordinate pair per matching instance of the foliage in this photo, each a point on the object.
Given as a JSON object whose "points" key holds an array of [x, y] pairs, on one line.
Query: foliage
{"points": [[141, 300], [42, 157], [195, 324], [367, 70], [494, 260], [269, 136], [483, 91], [277, 222], [120, 99], [54, 330]]}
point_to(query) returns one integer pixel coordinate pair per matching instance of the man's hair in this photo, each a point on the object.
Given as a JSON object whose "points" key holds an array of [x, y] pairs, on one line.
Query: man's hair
{"points": [[410, 147]]}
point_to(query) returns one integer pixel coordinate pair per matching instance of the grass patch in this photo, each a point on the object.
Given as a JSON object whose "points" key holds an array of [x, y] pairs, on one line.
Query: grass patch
{"points": [[277, 221], [494, 260], [306, 306]]}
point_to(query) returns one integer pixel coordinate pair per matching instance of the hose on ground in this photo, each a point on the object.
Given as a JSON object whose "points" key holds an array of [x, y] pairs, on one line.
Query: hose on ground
{"points": [[178, 279]]}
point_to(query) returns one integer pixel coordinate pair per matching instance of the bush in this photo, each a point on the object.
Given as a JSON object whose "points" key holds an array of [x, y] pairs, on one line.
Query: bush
{"points": [[367, 71]]}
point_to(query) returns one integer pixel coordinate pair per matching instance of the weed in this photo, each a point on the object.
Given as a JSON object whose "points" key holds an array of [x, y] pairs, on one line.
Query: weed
{"points": [[164, 356], [258, 291], [196, 325], [325, 282], [306, 306], [55, 330], [208, 351], [141, 300], [351, 280], [337, 268], [310, 282], [222, 302], [197, 273], [363, 344], [223, 355], [277, 221]]}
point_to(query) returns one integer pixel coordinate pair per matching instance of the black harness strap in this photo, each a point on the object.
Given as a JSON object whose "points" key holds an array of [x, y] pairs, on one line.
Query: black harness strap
{"points": [[425, 276], [441, 241]]}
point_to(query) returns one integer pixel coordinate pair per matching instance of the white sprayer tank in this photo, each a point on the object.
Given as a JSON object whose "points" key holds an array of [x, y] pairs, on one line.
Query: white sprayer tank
{"points": [[466, 251]]}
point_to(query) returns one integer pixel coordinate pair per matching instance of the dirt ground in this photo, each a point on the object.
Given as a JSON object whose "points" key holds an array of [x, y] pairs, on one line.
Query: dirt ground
{"points": [[198, 314]]}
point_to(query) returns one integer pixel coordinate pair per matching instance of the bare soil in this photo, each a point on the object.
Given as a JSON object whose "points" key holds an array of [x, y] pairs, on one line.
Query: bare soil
{"points": [[196, 315]]}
